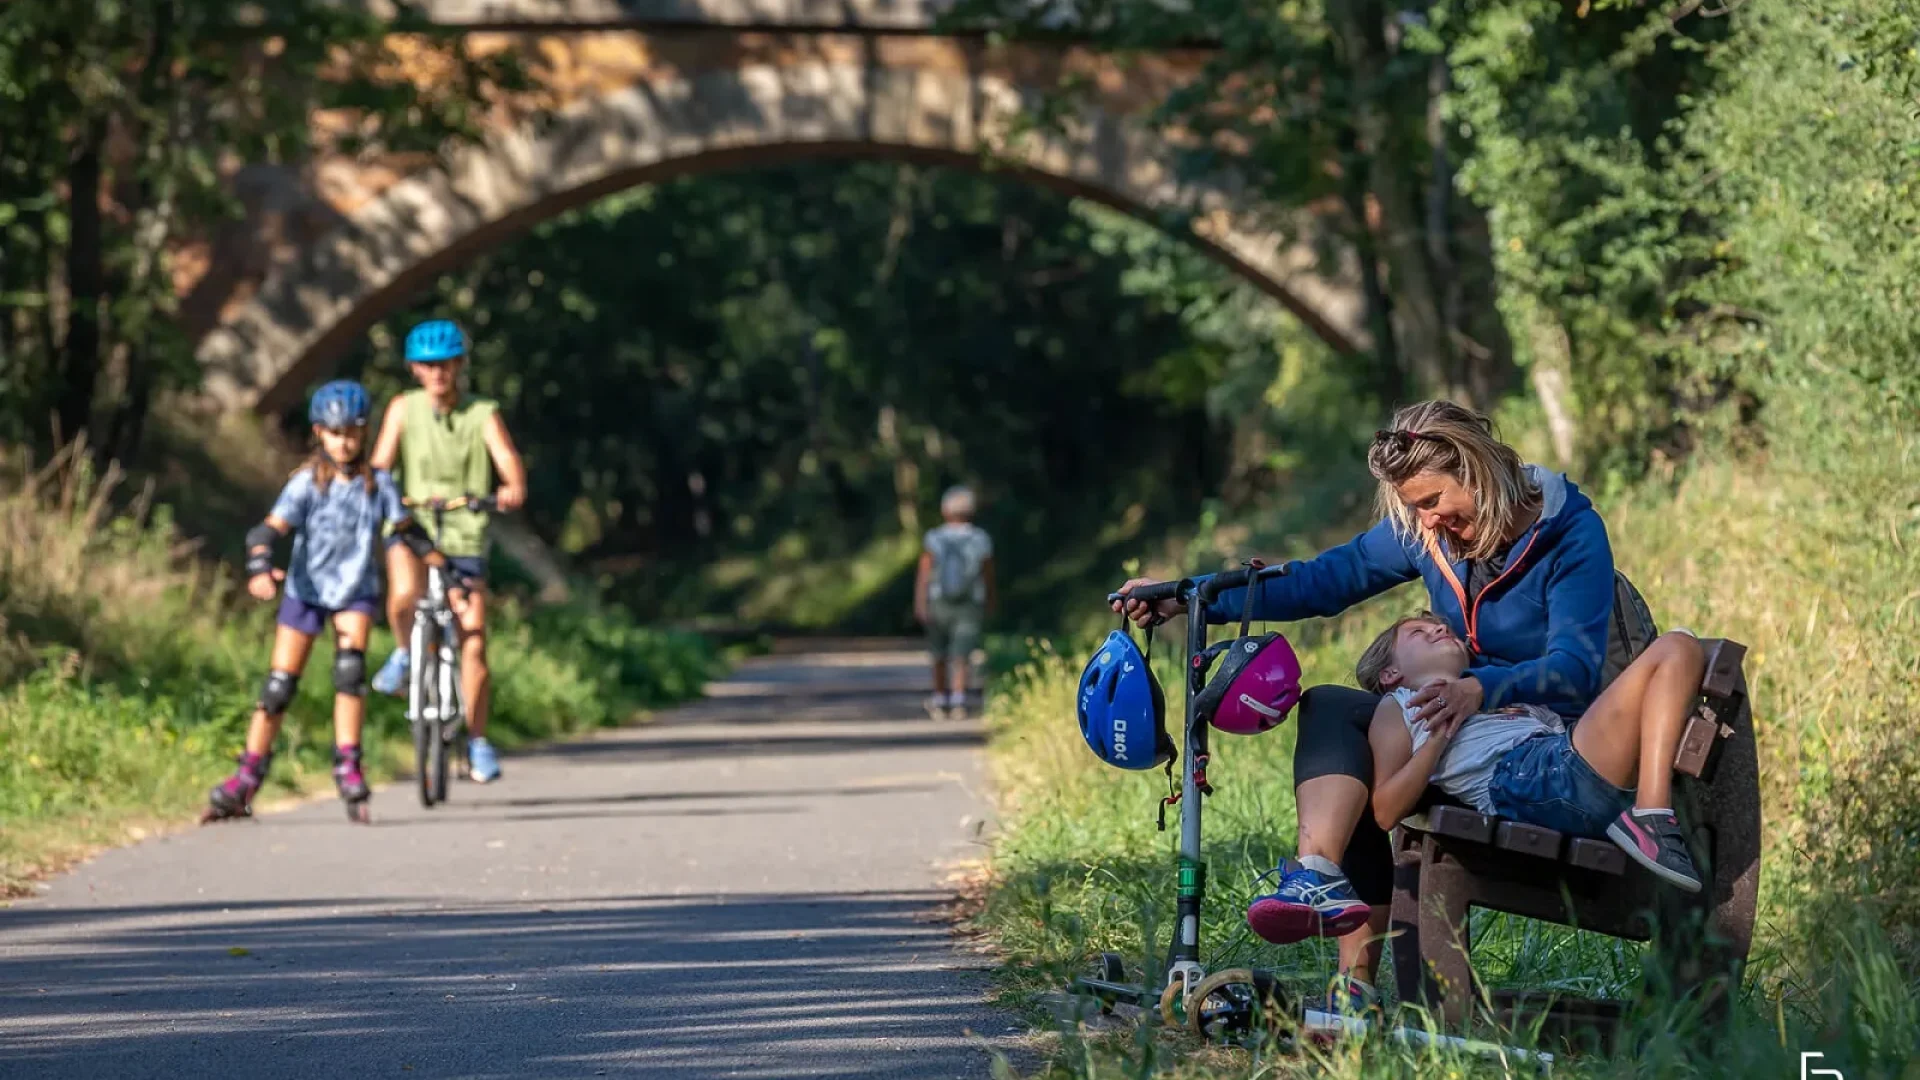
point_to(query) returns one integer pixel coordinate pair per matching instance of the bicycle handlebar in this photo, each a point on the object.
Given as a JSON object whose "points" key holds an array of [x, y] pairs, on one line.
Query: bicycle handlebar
{"points": [[479, 504]]}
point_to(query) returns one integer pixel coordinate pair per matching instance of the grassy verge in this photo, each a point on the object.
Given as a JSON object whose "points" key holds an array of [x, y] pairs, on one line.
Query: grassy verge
{"points": [[1811, 560], [128, 670]]}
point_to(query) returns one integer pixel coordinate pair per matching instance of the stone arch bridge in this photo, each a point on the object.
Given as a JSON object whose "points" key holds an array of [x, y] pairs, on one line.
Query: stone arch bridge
{"points": [[643, 90]]}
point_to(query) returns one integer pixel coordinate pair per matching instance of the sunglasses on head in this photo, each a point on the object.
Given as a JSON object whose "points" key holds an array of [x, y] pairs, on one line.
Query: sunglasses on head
{"points": [[1403, 440]]}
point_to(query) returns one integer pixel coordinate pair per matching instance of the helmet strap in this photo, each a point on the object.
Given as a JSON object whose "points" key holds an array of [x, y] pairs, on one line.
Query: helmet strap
{"points": [[1173, 796], [1253, 583]]}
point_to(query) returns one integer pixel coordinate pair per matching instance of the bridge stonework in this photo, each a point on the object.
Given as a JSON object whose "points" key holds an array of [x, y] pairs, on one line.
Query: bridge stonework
{"points": [[329, 251]]}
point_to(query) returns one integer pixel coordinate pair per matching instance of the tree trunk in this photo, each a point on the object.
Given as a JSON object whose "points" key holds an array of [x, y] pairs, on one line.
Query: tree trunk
{"points": [[86, 273], [1420, 323], [1386, 379], [153, 208]]}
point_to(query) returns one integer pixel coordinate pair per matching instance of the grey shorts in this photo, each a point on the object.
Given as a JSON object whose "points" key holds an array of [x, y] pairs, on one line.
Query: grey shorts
{"points": [[953, 628]]}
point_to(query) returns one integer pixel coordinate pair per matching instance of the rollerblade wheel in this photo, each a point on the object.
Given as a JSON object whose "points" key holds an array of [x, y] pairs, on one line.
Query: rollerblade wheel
{"points": [[1228, 1006]]}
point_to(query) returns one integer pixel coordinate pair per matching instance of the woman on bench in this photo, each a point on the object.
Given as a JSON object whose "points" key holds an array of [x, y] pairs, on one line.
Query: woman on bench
{"points": [[1516, 563]]}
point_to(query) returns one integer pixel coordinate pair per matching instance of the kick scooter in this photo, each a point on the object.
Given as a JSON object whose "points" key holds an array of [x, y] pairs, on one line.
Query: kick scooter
{"points": [[1226, 1004]]}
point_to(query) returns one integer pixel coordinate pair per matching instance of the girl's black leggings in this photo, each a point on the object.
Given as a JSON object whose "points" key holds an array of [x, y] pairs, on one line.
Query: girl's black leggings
{"points": [[1332, 740]]}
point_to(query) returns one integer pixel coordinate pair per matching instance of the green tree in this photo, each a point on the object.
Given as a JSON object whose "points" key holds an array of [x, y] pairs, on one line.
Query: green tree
{"points": [[126, 122], [799, 360]]}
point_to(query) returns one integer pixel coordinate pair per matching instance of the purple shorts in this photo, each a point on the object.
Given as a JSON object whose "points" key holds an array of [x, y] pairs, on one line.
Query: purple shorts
{"points": [[297, 614]]}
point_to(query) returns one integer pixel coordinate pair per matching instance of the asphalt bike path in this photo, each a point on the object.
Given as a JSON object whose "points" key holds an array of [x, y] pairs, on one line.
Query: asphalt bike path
{"points": [[747, 886]]}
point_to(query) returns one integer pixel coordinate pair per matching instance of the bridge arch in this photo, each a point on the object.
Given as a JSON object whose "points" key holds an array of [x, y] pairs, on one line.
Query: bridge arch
{"points": [[649, 108]]}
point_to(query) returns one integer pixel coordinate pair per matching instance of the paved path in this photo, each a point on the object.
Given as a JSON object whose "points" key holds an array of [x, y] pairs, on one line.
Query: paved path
{"points": [[740, 889]]}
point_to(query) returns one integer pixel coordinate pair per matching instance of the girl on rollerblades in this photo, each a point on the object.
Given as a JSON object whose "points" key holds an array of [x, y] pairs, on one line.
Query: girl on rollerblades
{"points": [[337, 505]]}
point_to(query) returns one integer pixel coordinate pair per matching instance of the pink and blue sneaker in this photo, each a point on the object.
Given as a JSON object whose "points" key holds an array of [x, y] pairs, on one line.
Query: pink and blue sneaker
{"points": [[1653, 839], [1314, 899]]}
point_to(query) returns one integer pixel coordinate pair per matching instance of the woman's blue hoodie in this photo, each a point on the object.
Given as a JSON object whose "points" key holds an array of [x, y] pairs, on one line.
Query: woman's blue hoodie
{"points": [[1538, 632]]}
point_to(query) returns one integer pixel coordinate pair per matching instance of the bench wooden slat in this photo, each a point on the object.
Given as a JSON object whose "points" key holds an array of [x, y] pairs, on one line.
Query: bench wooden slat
{"points": [[1697, 740], [1460, 823], [1527, 839], [1724, 660], [1597, 855]]}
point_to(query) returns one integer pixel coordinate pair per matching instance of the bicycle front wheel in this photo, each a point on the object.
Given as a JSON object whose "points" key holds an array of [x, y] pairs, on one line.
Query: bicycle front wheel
{"points": [[425, 745], [429, 753]]}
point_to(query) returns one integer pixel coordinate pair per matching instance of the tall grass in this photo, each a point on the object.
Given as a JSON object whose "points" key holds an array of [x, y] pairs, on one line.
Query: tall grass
{"points": [[128, 669], [1810, 558]]}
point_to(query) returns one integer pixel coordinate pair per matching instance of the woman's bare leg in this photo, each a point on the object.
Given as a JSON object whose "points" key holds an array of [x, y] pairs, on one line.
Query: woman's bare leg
{"points": [[1329, 807]]}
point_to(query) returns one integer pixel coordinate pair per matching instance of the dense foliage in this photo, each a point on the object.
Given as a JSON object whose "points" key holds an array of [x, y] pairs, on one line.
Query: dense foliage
{"points": [[797, 362], [129, 126]]}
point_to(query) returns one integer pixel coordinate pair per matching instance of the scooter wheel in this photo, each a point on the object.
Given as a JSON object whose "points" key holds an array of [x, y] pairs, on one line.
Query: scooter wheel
{"points": [[1112, 968], [1173, 1004], [1229, 1006], [359, 812]]}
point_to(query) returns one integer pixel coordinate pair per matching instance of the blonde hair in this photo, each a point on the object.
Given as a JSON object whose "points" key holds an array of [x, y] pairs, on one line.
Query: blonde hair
{"points": [[1442, 437], [1379, 655]]}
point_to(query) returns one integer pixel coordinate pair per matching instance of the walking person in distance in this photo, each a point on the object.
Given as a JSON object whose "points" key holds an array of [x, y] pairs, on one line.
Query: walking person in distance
{"points": [[952, 593]]}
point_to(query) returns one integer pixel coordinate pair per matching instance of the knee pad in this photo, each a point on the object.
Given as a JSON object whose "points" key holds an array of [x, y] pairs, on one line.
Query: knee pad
{"points": [[350, 672], [278, 691]]}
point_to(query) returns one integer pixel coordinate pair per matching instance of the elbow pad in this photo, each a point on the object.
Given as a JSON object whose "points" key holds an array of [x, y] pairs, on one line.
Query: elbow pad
{"points": [[260, 540]]}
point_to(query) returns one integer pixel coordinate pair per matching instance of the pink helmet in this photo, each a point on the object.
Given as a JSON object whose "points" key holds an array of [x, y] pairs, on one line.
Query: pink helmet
{"points": [[1255, 688]]}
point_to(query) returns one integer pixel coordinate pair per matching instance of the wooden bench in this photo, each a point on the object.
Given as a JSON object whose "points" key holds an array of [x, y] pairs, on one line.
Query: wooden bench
{"points": [[1449, 859]]}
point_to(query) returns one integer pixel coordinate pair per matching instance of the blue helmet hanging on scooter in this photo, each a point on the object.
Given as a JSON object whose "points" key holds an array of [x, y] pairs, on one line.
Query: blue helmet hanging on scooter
{"points": [[1123, 714]]}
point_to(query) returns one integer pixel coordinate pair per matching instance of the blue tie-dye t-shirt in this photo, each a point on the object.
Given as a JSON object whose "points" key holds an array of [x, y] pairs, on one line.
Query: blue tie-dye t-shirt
{"points": [[336, 544]]}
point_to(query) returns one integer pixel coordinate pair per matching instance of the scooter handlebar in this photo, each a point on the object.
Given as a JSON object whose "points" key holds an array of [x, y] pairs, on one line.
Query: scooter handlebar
{"points": [[1209, 590], [1154, 593]]}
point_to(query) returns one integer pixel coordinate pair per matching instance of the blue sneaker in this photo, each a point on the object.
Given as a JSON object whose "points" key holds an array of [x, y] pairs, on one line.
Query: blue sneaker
{"points": [[1308, 903], [1350, 1007], [484, 761], [392, 676]]}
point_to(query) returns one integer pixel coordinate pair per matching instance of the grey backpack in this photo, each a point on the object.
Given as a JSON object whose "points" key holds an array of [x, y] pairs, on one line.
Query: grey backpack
{"points": [[1629, 631], [957, 564]]}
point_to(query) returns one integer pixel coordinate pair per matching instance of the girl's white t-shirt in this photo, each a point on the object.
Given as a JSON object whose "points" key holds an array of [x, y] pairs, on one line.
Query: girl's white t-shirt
{"points": [[1465, 769]]}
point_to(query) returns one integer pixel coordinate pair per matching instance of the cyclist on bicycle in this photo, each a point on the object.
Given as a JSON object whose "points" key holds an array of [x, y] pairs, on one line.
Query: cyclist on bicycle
{"points": [[447, 444], [338, 504]]}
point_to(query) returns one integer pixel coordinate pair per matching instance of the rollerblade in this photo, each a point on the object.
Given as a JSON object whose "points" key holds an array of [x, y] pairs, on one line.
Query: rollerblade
{"points": [[352, 785], [233, 797]]}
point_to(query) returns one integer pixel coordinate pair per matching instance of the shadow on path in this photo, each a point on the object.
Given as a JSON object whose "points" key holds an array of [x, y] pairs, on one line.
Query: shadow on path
{"points": [[379, 987]]}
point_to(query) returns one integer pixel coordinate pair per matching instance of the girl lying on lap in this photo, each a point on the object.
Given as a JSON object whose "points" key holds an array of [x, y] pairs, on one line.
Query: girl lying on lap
{"points": [[1523, 763]]}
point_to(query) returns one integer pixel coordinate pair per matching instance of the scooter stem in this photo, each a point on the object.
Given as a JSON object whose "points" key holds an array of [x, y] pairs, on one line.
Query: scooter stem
{"points": [[1184, 957]]}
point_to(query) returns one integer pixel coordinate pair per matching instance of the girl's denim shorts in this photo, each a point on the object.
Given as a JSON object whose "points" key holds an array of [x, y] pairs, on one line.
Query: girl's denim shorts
{"points": [[1544, 781]]}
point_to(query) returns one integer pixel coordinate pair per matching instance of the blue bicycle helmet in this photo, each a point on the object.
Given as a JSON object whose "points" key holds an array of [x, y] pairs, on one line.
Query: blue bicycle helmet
{"points": [[436, 341], [1123, 714], [341, 403]]}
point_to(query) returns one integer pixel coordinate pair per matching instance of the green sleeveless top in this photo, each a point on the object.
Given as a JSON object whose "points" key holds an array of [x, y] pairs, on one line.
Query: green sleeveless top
{"points": [[444, 456]]}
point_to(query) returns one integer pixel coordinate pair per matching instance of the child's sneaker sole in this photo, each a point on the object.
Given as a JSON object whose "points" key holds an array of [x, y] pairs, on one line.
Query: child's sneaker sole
{"points": [[1285, 924], [1630, 844]]}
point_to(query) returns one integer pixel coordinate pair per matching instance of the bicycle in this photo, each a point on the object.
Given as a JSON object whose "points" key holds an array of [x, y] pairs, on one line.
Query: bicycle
{"points": [[436, 702]]}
